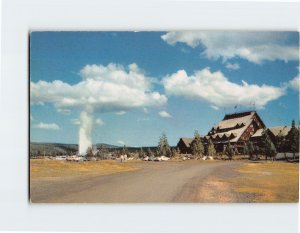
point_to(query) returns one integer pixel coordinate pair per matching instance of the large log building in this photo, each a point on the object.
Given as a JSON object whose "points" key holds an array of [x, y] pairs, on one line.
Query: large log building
{"points": [[235, 128]]}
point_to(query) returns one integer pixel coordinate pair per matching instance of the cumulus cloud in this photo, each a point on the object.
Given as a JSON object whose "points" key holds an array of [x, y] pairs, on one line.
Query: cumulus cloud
{"points": [[121, 142], [64, 111], [111, 88], [99, 122], [75, 121], [294, 83], [120, 113], [50, 126], [215, 89], [232, 66], [255, 47], [165, 114]]}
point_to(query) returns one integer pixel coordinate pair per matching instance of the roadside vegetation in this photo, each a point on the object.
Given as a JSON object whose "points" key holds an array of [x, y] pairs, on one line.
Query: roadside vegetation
{"points": [[268, 182], [43, 168]]}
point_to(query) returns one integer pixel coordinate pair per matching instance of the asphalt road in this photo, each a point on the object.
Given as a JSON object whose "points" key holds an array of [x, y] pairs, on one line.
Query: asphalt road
{"points": [[155, 182]]}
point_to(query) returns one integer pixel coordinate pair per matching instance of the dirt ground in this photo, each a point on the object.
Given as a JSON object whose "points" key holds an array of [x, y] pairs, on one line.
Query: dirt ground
{"points": [[164, 182]]}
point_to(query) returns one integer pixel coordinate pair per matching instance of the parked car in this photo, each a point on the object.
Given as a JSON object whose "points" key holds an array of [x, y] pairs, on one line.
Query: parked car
{"points": [[157, 159], [164, 158], [146, 158], [60, 157], [73, 158], [151, 158]]}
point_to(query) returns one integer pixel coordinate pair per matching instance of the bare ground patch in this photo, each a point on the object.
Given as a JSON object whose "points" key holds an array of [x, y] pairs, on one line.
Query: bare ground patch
{"points": [[252, 182]]}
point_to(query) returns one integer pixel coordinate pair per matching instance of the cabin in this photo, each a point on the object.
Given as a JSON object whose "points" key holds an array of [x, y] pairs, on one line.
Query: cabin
{"points": [[184, 145], [237, 129]]}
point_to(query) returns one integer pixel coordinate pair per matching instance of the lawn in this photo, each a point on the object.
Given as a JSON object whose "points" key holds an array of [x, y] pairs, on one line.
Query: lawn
{"points": [[268, 181], [41, 168]]}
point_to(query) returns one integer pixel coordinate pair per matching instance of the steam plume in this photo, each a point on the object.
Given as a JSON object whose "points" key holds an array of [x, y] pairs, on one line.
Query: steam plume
{"points": [[85, 132]]}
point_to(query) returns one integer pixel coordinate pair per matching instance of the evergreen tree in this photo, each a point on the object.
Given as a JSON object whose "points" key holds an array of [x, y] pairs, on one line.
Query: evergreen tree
{"points": [[268, 146], [250, 149], [211, 151], [89, 152], [141, 153], [292, 140], [101, 152], [229, 151], [280, 143], [163, 148], [125, 150], [149, 152], [246, 149], [173, 152], [197, 146], [177, 151]]}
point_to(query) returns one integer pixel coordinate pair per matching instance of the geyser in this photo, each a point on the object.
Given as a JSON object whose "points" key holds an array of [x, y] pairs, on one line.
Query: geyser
{"points": [[85, 132]]}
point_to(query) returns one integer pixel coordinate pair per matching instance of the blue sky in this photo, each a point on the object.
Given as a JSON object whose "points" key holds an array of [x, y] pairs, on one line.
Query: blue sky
{"points": [[133, 86]]}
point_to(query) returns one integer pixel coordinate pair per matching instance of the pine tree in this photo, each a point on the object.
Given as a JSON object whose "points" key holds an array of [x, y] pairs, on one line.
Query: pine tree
{"points": [[125, 151], [173, 152], [149, 152], [177, 151], [250, 149], [229, 151], [197, 146], [141, 153], [292, 140], [268, 146], [89, 152], [101, 152], [211, 151], [163, 148]]}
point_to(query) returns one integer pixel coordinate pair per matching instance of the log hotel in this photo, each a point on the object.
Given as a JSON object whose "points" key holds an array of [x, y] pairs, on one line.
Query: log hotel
{"points": [[237, 128]]}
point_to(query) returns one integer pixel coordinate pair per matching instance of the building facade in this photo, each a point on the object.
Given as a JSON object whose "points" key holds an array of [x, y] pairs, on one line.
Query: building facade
{"points": [[237, 129]]}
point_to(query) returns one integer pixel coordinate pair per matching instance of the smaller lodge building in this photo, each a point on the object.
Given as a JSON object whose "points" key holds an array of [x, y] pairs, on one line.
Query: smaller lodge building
{"points": [[236, 128]]}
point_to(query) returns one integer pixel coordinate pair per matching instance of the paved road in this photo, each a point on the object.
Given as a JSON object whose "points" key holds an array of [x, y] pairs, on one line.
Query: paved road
{"points": [[154, 182]]}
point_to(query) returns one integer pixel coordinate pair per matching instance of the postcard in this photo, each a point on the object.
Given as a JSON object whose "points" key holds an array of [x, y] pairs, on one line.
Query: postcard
{"points": [[164, 116]]}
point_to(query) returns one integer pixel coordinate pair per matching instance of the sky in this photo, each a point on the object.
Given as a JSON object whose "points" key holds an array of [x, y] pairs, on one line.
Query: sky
{"points": [[127, 88]]}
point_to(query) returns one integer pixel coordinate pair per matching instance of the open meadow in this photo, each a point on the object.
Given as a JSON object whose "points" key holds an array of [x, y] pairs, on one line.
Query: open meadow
{"points": [[172, 181]]}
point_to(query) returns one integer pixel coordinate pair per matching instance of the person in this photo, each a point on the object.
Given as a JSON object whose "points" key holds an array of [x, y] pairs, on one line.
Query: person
{"points": [[122, 158], [125, 157]]}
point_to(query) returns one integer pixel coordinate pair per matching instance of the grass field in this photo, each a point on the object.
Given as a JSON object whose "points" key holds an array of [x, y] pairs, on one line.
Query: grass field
{"points": [[233, 181], [268, 181], [41, 168]]}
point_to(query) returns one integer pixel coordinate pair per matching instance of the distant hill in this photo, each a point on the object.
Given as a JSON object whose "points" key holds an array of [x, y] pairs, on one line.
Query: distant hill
{"points": [[39, 148], [59, 148]]}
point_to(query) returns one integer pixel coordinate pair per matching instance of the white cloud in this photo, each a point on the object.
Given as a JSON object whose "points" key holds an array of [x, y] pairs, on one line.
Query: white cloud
{"points": [[121, 142], [99, 122], [146, 110], [120, 113], [294, 83], [165, 114], [215, 89], [110, 88], [215, 107], [64, 111], [232, 66], [50, 126], [75, 121], [255, 47], [143, 119]]}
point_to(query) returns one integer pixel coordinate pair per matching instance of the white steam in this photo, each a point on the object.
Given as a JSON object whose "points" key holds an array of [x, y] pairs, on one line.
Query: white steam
{"points": [[85, 132]]}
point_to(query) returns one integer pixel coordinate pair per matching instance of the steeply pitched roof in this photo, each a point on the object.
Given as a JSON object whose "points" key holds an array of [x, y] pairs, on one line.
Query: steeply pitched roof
{"points": [[232, 126], [258, 133], [280, 130], [187, 141]]}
